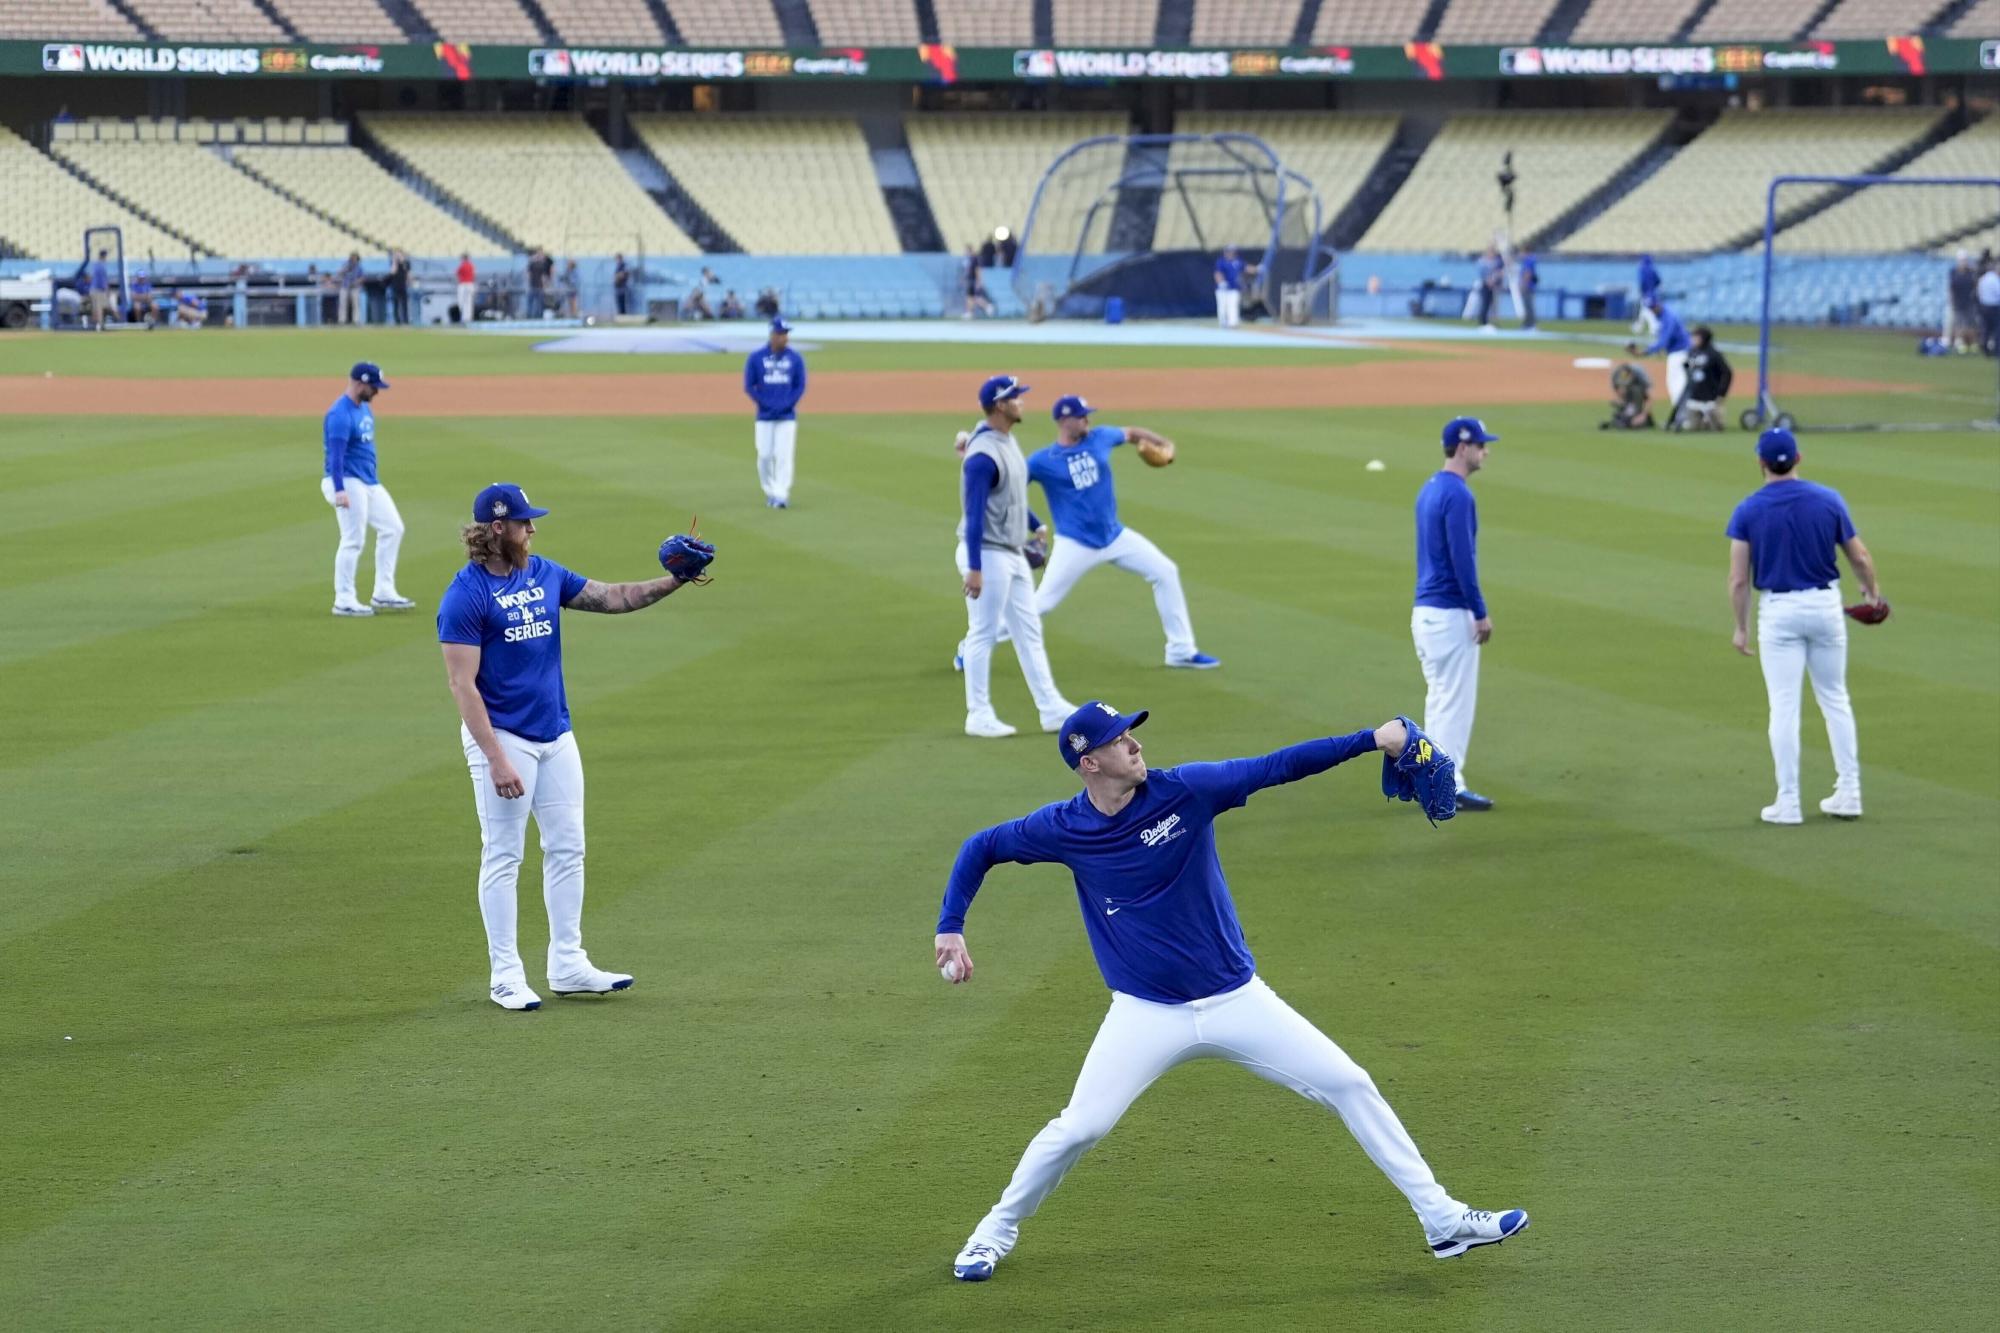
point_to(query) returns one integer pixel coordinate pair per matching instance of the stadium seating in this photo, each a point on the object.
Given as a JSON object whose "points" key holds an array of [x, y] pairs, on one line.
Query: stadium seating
{"points": [[347, 185], [1106, 22], [986, 22], [727, 164], [1876, 18], [1632, 20], [1450, 202], [727, 23], [1909, 218], [1982, 20], [209, 20], [64, 18], [1333, 151], [1244, 22], [195, 192], [1754, 20], [340, 20], [45, 210], [1364, 22], [866, 22], [479, 21], [543, 179], [611, 22], [980, 171], [195, 129], [1711, 193], [1494, 20]]}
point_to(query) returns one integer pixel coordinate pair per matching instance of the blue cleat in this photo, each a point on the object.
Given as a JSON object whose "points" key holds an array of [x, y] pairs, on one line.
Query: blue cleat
{"points": [[1478, 1227], [1198, 662], [975, 1262], [1472, 800]]}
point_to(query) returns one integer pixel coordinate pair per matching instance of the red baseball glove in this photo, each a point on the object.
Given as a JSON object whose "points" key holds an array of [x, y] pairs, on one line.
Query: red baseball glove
{"points": [[1869, 613]]}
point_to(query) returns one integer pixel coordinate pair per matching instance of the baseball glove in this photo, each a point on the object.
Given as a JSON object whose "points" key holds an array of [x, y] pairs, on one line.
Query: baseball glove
{"points": [[1037, 549], [1155, 455], [686, 556], [1422, 773], [1869, 613]]}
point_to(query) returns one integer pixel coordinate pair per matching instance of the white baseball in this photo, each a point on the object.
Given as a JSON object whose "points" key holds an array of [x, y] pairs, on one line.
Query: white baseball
{"points": [[950, 969], [1376, 465]]}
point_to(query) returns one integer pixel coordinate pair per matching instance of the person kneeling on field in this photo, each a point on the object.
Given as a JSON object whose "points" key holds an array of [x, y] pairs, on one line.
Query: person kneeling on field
{"points": [[1632, 409]]}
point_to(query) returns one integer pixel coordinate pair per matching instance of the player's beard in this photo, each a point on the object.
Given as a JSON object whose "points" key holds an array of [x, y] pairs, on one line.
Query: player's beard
{"points": [[514, 548]]}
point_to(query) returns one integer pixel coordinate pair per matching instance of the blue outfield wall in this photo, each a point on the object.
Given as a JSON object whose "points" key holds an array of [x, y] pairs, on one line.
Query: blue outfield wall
{"points": [[1880, 291]]}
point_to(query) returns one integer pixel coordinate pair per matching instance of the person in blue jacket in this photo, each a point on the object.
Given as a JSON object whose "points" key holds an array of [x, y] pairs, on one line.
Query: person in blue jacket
{"points": [[775, 379]]}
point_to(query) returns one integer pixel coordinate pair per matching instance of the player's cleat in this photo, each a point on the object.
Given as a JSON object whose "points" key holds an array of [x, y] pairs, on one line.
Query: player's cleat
{"points": [[1842, 806], [958, 661], [1478, 1227], [590, 981], [1781, 814], [1053, 722], [1472, 800], [987, 727], [975, 1262], [392, 604], [781, 504], [514, 994], [1198, 662], [352, 609]]}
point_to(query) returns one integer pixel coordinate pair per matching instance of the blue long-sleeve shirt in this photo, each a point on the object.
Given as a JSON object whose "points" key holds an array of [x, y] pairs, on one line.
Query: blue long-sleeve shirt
{"points": [[1447, 545], [1673, 335], [982, 474], [350, 443], [775, 382], [1155, 903], [1649, 278]]}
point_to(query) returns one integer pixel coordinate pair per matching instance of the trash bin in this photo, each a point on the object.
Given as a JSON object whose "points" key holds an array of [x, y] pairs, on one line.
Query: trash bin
{"points": [[1114, 310]]}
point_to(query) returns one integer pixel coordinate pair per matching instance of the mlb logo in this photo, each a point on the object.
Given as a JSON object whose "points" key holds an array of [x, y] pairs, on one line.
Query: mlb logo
{"points": [[60, 59], [1521, 60], [1034, 64], [549, 64], [1989, 55]]}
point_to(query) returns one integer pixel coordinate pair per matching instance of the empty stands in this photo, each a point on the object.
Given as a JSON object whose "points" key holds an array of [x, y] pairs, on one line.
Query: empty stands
{"points": [[1908, 218], [209, 20], [1451, 201], [340, 20], [980, 171], [349, 187], [986, 22], [544, 179], [1711, 193], [1244, 22], [610, 22], [1334, 152], [866, 22], [64, 18], [1363, 22], [45, 210], [1751, 20], [479, 20], [1494, 20], [1632, 20], [1982, 20], [727, 22], [729, 163], [1106, 22], [1877, 18]]}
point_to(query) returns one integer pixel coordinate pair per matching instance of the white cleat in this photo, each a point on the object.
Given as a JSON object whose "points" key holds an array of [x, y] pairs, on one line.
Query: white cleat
{"points": [[1478, 1227], [987, 727], [1053, 722], [590, 981], [1842, 806], [1781, 814], [513, 993], [352, 609], [975, 1263], [392, 602]]}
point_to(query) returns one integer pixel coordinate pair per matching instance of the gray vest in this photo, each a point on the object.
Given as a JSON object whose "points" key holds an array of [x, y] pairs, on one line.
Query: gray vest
{"points": [[1006, 503]]}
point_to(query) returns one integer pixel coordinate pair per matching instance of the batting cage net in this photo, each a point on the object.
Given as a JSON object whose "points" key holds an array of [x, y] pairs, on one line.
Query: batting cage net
{"points": [[1142, 219], [1855, 336]]}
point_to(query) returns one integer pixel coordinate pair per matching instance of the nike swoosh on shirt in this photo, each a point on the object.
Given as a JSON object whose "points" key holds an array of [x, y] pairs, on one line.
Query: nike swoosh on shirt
{"points": [[1113, 911]]}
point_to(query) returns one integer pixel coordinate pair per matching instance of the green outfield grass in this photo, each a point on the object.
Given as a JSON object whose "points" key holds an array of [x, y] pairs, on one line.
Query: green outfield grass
{"points": [[1741, 1076]]}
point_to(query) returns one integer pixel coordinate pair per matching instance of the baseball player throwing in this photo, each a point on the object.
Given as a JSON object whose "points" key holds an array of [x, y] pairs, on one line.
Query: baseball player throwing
{"points": [[1141, 847], [1075, 473], [360, 501], [1782, 540], [501, 626]]}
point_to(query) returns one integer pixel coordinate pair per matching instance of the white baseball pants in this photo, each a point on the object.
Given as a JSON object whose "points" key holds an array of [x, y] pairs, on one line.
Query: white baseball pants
{"points": [[1249, 1026], [1131, 552], [1448, 651], [468, 297], [776, 441], [1806, 632], [552, 782], [1677, 377], [368, 506], [1228, 307], [1007, 598]]}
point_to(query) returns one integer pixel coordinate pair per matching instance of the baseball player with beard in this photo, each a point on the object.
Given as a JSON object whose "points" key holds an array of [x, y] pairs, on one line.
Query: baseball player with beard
{"points": [[501, 626], [360, 501], [1075, 473], [1140, 845]]}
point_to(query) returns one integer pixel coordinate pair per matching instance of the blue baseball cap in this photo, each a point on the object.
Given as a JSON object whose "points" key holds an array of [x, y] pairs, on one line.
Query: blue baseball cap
{"points": [[998, 388], [1466, 430], [1096, 723], [503, 499], [1777, 445], [1069, 405], [778, 325], [368, 373]]}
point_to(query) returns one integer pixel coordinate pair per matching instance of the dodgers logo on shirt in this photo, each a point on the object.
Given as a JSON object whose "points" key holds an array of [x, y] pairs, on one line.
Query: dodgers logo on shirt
{"points": [[1163, 832], [1083, 471]]}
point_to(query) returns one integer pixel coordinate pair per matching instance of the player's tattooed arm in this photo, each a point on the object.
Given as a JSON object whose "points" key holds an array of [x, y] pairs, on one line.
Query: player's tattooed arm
{"points": [[615, 599]]}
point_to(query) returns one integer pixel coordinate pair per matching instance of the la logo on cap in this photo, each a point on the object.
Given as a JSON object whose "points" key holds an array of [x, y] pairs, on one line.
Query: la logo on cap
{"points": [[1108, 709]]}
